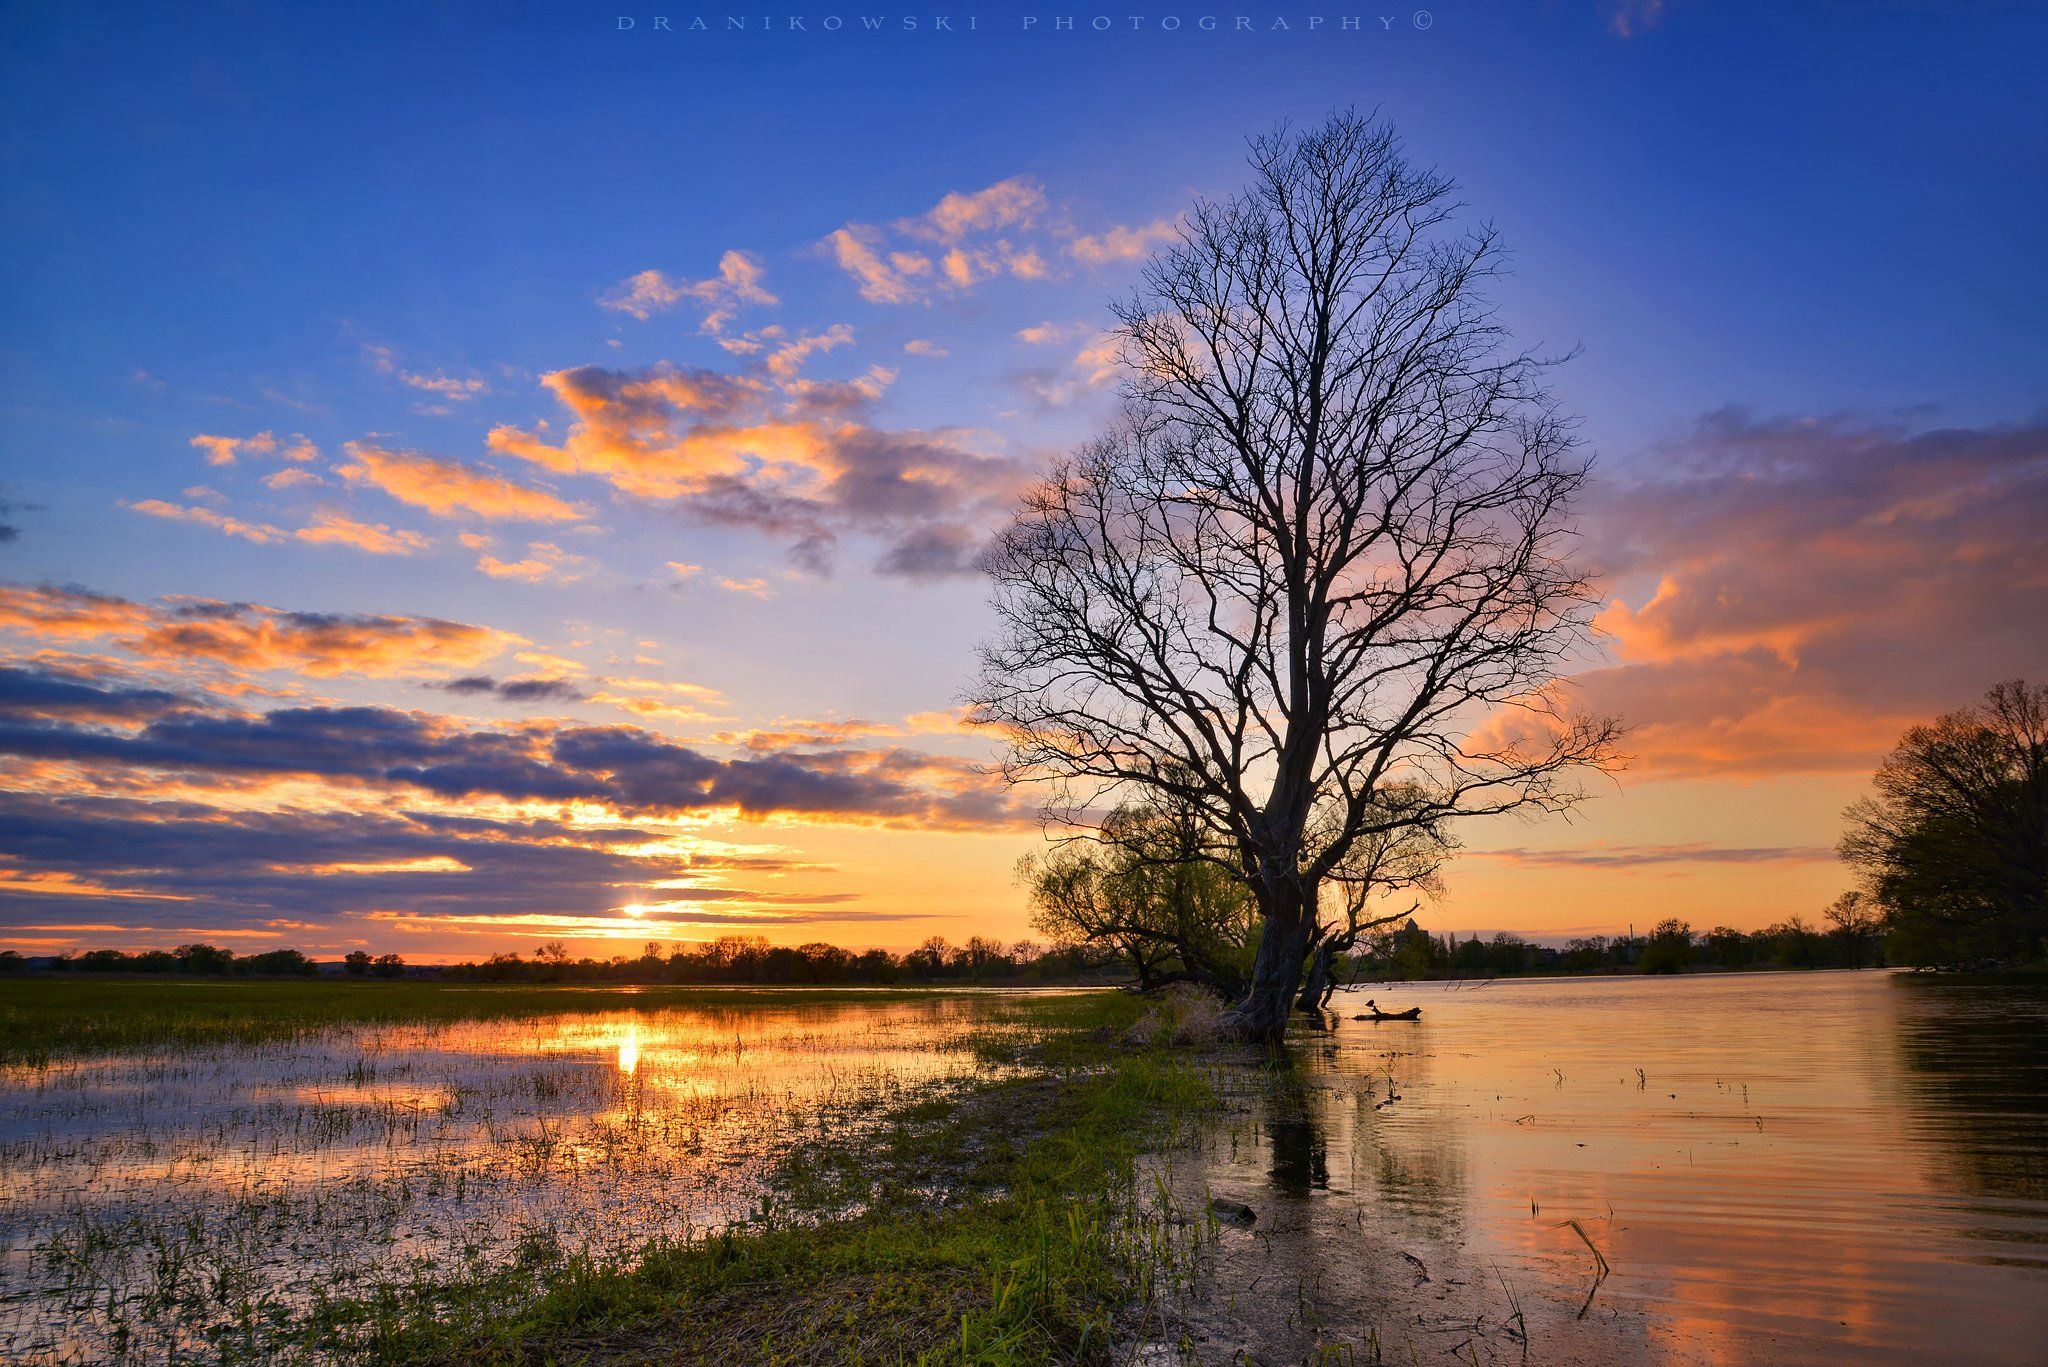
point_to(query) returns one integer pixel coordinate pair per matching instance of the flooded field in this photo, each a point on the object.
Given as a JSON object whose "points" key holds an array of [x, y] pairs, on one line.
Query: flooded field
{"points": [[1770, 1168], [1791, 1168], [196, 1200]]}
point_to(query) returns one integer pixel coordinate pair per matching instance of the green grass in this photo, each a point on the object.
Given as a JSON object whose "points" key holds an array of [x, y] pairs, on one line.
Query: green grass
{"points": [[1004, 1225], [47, 1016]]}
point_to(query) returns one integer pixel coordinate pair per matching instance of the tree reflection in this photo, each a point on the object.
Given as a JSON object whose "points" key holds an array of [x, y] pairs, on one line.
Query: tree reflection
{"points": [[1976, 1059]]}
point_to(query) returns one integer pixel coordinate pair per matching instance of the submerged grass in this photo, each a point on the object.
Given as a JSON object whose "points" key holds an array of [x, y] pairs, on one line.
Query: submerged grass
{"points": [[49, 1016], [1003, 1223]]}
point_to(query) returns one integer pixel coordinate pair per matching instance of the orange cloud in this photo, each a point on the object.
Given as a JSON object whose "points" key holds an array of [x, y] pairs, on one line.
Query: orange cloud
{"points": [[331, 528], [1791, 593], [737, 285], [1119, 244], [225, 450], [440, 384], [447, 489], [544, 563], [253, 637], [948, 247], [258, 532]]}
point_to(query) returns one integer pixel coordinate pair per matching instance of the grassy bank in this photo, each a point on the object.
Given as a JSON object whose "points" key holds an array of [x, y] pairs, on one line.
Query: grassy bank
{"points": [[48, 1016]]}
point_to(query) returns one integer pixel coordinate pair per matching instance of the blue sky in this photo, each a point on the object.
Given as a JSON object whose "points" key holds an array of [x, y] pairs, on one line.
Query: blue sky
{"points": [[232, 220]]}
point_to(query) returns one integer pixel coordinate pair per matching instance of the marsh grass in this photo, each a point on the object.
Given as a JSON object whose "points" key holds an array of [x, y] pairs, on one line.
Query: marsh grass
{"points": [[1006, 1224], [943, 1177]]}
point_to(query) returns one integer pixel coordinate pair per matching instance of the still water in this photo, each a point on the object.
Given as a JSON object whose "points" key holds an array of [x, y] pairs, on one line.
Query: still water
{"points": [[1826, 1167], [198, 1200], [1774, 1168]]}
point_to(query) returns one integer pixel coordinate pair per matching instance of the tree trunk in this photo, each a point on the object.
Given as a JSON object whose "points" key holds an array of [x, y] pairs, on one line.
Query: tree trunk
{"points": [[1276, 972], [1315, 993]]}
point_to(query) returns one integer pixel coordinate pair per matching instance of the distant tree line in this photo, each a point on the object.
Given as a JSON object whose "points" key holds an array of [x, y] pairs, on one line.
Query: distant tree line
{"points": [[209, 961], [1852, 938], [751, 959], [728, 959]]}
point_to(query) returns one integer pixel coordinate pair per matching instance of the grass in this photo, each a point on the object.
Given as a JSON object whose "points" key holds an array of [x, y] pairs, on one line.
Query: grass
{"points": [[49, 1016], [1006, 1224]]}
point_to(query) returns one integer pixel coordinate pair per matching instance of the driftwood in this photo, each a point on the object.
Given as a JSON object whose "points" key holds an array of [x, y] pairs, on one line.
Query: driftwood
{"points": [[1375, 1014]]}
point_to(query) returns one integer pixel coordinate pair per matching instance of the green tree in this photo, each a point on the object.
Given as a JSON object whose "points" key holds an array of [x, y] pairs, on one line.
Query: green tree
{"points": [[1143, 889]]}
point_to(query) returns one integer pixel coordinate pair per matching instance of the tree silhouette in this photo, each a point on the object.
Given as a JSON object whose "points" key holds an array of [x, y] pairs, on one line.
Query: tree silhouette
{"points": [[1321, 563]]}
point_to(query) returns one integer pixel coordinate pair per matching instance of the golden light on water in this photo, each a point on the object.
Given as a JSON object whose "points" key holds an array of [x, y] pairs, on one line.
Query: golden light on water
{"points": [[629, 1051]]}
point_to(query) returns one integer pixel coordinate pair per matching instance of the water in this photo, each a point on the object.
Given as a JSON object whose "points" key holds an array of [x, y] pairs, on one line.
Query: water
{"points": [[1776, 1168], [197, 1200]]}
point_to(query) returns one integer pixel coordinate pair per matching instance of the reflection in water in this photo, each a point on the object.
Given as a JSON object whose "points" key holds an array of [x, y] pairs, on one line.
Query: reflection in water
{"points": [[1976, 1082], [159, 1199], [1294, 1136], [629, 1050], [1775, 1167]]}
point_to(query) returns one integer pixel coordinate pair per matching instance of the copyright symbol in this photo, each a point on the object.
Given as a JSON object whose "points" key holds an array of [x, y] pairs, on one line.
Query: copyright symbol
{"points": [[1423, 18]]}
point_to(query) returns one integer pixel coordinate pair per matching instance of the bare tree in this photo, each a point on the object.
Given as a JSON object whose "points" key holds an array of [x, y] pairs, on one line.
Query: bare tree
{"points": [[1322, 555]]}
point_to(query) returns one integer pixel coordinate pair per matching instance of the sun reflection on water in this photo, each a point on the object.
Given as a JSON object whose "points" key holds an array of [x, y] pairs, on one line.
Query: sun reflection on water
{"points": [[629, 1051], [447, 1148]]}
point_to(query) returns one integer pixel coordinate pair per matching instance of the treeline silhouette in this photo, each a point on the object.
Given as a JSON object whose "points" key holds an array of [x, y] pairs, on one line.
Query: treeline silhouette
{"points": [[1406, 954], [198, 960], [1411, 954], [735, 959]]}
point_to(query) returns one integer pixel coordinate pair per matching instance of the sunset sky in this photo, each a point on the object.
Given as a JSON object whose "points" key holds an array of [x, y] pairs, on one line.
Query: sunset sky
{"points": [[474, 476]]}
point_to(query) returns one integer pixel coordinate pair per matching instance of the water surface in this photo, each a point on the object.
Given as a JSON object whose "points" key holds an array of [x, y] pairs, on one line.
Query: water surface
{"points": [[197, 1199], [1776, 1167]]}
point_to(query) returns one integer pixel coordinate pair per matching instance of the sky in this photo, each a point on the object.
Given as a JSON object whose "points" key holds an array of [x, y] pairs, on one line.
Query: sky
{"points": [[475, 475]]}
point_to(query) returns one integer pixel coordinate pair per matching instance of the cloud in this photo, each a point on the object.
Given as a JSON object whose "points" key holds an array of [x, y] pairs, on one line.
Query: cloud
{"points": [[624, 770], [1630, 18], [331, 528], [44, 693], [543, 563], [247, 636], [795, 459], [1633, 856], [328, 528], [153, 869], [1789, 593], [258, 532], [787, 360], [291, 478], [446, 388], [966, 238], [737, 285], [226, 450], [448, 489], [1119, 245], [515, 690], [919, 346], [1093, 368], [1014, 203], [755, 588]]}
